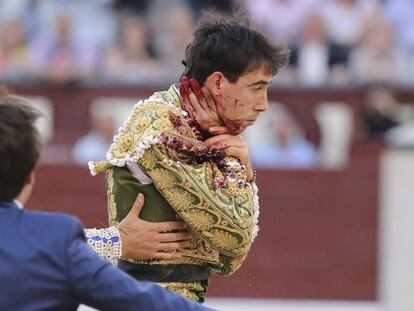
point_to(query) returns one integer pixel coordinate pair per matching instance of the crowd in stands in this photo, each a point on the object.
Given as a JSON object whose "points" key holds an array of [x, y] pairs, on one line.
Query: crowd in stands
{"points": [[332, 42]]}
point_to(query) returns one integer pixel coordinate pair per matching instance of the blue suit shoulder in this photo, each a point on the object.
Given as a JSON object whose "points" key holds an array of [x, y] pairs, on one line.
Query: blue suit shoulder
{"points": [[51, 217], [52, 225]]}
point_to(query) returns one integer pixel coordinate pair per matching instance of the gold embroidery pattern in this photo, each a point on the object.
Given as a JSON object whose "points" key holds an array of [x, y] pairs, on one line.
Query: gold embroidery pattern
{"points": [[163, 125], [199, 220], [125, 143], [143, 123], [224, 240], [148, 160], [163, 179], [183, 260], [186, 290], [98, 167], [228, 265], [202, 251], [111, 198], [179, 199], [235, 263], [191, 196], [145, 120]]}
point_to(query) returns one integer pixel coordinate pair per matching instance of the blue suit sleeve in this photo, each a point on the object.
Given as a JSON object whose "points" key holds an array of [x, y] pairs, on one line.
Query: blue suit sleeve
{"points": [[96, 283]]}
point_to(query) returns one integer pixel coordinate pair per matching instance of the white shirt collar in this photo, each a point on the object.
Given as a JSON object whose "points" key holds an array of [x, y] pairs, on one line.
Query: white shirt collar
{"points": [[18, 203]]}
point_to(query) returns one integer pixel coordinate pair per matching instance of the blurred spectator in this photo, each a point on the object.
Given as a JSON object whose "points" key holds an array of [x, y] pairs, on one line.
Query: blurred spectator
{"points": [[14, 52], [29, 12], [282, 20], [174, 31], [98, 31], [312, 67], [381, 112], [377, 59], [388, 121], [96, 143], [68, 39], [61, 57], [133, 6], [38, 17], [401, 15], [224, 6], [131, 60], [345, 22], [288, 148]]}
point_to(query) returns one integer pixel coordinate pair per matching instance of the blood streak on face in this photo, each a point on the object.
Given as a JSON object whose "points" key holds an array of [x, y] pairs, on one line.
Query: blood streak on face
{"points": [[238, 103], [234, 126]]}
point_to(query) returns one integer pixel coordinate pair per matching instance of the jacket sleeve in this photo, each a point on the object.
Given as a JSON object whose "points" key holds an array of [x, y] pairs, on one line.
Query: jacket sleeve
{"points": [[98, 284], [220, 215], [228, 265], [208, 192], [105, 242]]}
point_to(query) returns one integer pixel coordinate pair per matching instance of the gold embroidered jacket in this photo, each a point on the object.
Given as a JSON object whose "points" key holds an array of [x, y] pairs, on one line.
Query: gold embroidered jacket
{"points": [[157, 153]]}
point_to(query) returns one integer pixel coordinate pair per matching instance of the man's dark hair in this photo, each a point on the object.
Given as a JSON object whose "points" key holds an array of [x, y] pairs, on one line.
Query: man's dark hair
{"points": [[227, 44], [19, 144]]}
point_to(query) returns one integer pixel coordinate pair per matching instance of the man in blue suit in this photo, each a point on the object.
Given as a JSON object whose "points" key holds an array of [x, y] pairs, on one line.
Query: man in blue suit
{"points": [[45, 263]]}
